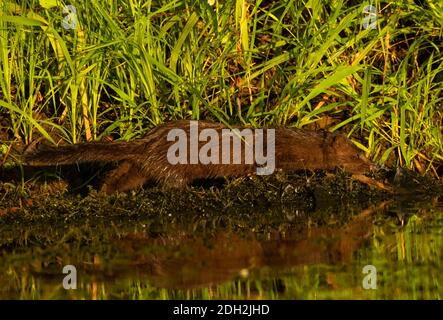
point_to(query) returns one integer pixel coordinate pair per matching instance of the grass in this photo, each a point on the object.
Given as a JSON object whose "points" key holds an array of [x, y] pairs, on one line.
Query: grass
{"points": [[130, 65]]}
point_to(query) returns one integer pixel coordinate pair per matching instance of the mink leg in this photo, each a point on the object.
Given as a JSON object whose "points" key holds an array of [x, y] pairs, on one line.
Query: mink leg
{"points": [[126, 176]]}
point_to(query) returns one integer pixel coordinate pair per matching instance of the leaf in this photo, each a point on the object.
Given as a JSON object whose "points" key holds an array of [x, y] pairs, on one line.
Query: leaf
{"points": [[29, 118], [48, 4], [21, 20], [340, 73], [178, 46]]}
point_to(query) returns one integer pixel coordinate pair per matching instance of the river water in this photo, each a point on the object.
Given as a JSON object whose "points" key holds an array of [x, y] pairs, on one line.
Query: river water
{"points": [[390, 250]]}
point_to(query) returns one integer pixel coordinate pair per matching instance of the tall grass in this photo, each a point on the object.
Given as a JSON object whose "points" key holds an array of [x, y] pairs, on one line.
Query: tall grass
{"points": [[130, 65]]}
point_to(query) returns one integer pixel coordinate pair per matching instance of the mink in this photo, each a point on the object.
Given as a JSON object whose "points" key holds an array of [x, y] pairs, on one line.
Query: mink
{"points": [[148, 159]]}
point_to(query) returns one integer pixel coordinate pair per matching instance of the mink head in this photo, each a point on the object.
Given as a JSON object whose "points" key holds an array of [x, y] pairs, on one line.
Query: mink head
{"points": [[349, 157]]}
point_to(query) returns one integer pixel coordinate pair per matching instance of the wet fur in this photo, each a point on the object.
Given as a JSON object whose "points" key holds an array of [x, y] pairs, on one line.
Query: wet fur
{"points": [[145, 160]]}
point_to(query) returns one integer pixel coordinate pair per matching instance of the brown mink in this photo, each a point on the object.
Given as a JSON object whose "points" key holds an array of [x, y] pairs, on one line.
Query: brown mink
{"points": [[148, 159]]}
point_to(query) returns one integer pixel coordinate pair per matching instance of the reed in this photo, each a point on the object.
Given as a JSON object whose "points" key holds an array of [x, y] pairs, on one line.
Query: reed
{"points": [[130, 65]]}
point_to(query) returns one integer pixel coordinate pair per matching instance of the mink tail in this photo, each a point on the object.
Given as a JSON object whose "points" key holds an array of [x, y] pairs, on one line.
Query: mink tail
{"points": [[82, 152]]}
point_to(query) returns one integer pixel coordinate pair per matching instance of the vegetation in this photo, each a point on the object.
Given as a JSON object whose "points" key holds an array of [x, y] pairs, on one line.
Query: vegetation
{"points": [[74, 71], [126, 66]]}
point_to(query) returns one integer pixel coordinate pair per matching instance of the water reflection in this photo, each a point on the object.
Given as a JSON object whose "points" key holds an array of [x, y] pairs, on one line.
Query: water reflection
{"points": [[403, 239]]}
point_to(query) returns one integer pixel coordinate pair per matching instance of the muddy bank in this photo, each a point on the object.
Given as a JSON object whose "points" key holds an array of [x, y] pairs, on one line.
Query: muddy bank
{"points": [[253, 203]]}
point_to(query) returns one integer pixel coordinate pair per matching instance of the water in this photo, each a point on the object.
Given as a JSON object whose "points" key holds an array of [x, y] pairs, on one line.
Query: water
{"points": [[189, 259]]}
